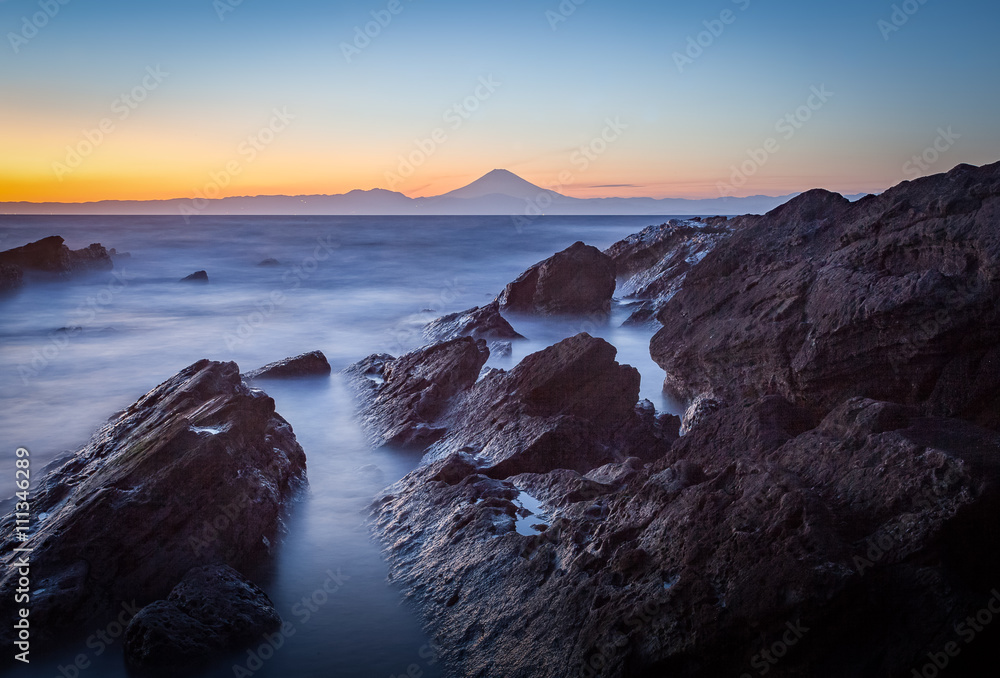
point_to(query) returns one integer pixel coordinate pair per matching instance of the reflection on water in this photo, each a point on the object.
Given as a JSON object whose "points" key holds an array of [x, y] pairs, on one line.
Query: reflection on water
{"points": [[72, 354]]}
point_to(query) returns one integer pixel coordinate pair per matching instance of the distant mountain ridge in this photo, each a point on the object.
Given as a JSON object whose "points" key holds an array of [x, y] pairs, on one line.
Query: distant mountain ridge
{"points": [[500, 193]]}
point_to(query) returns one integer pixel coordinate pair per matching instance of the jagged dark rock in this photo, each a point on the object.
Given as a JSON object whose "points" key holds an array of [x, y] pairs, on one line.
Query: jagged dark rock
{"points": [[874, 531], [580, 280], [51, 255], [651, 265], [401, 397], [312, 364], [569, 406], [482, 322], [212, 610], [892, 297], [196, 472], [196, 277], [11, 278]]}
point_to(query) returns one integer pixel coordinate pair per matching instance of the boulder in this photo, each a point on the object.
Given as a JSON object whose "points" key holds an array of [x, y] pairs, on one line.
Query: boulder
{"points": [[51, 255], [196, 277], [892, 297], [580, 280], [482, 322], [198, 471], [312, 364], [213, 609]]}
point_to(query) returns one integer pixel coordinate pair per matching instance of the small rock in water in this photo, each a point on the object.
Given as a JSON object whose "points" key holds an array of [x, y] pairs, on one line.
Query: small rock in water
{"points": [[305, 365], [197, 276]]}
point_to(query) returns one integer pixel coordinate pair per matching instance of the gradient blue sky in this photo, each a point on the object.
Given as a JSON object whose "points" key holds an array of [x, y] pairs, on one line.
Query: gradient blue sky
{"points": [[354, 121]]}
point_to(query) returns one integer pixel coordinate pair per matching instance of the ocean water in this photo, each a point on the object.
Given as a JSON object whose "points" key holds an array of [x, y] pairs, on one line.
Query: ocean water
{"points": [[74, 353]]}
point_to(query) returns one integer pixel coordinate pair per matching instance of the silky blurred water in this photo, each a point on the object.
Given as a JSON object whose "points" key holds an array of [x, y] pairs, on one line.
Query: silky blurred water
{"points": [[72, 353]]}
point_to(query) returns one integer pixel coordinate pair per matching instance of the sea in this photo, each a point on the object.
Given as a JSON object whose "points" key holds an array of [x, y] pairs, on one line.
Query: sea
{"points": [[74, 352]]}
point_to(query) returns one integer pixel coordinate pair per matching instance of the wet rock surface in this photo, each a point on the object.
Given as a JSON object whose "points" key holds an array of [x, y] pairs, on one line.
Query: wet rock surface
{"points": [[196, 472], [580, 280], [892, 297], [213, 609], [51, 255], [312, 364], [863, 531], [482, 322], [651, 265], [568, 406]]}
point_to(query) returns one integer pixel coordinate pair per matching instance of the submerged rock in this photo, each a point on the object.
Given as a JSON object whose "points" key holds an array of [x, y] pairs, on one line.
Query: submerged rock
{"points": [[580, 280], [196, 472], [51, 255], [269, 262], [312, 364], [213, 609], [196, 277], [892, 297]]}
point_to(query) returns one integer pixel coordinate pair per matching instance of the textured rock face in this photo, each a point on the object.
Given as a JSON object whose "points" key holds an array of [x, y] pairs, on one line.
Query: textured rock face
{"points": [[211, 610], [196, 472], [569, 406], [892, 297], [402, 397], [863, 538], [51, 255], [580, 280], [482, 322], [652, 264], [11, 277], [312, 364]]}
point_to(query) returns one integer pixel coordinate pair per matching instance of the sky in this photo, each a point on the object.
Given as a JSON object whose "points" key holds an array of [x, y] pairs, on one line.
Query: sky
{"points": [[187, 98]]}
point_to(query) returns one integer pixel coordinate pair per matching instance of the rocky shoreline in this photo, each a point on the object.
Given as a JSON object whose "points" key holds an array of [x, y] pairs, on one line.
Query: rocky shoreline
{"points": [[831, 509], [829, 504]]}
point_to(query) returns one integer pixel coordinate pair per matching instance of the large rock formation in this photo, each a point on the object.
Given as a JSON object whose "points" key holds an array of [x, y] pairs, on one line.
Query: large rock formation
{"points": [[892, 297], [51, 255], [855, 546], [580, 280], [196, 472], [569, 406], [651, 265], [213, 609], [312, 364], [833, 509]]}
